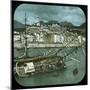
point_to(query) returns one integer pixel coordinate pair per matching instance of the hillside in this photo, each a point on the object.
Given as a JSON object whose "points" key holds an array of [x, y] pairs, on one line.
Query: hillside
{"points": [[19, 27]]}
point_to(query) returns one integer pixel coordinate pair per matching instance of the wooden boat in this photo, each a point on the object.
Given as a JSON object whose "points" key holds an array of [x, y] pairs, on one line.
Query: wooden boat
{"points": [[27, 67]]}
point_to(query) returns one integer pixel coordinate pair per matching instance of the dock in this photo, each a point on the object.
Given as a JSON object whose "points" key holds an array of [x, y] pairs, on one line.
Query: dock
{"points": [[41, 45]]}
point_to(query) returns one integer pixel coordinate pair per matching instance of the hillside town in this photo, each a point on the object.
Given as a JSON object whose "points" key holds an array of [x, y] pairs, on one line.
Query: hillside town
{"points": [[47, 35]]}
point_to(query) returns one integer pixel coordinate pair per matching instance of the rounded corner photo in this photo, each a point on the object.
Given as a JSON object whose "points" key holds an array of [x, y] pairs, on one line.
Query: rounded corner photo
{"points": [[49, 44]]}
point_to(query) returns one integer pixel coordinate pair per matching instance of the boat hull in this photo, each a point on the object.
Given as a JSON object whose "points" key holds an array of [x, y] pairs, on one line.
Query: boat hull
{"points": [[28, 67]]}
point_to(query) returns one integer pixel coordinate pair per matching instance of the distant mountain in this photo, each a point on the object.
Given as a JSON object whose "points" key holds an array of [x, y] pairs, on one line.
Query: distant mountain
{"points": [[66, 24], [39, 23], [18, 26], [80, 30], [53, 22], [83, 25], [42, 23], [62, 24]]}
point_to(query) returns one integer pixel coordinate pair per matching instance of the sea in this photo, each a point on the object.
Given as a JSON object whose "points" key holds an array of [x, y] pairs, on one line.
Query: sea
{"points": [[75, 60]]}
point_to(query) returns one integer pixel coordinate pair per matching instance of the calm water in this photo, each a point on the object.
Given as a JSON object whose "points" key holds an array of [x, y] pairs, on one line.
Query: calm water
{"points": [[65, 76]]}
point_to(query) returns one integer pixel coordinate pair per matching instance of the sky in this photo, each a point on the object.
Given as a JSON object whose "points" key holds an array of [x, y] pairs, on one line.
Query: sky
{"points": [[36, 12]]}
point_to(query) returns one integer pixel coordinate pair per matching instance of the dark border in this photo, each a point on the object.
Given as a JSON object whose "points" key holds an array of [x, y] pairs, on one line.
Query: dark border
{"points": [[14, 5]]}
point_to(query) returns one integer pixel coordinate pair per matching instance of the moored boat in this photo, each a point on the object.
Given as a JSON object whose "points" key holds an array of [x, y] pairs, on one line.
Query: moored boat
{"points": [[27, 67]]}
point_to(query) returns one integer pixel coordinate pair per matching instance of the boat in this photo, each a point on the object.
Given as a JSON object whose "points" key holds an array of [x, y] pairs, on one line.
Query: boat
{"points": [[36, 65]]}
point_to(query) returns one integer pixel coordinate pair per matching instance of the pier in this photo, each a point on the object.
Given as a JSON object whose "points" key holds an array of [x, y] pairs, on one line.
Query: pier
{"points": [[41, 45]]}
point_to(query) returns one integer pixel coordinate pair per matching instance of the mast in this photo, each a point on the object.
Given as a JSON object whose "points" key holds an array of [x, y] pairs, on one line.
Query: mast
{"points": [[25, 36]]}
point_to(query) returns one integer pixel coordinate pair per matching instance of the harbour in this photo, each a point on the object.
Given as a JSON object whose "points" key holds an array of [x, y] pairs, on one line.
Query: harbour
{"points": [[58, 77]]}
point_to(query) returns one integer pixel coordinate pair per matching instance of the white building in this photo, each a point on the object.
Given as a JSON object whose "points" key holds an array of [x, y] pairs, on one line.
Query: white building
{"points": [[30, 38], [40, 37], [16, 37], [58, 38]]}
